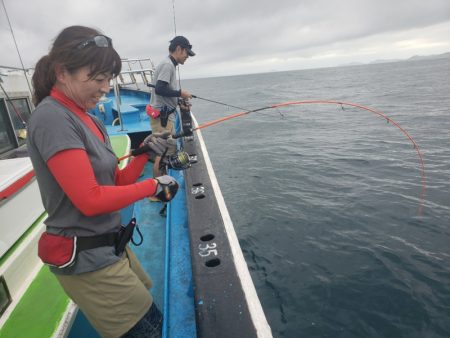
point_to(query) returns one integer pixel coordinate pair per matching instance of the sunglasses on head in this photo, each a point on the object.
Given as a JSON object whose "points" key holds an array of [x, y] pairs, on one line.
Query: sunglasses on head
{"points": [[99, 40]]}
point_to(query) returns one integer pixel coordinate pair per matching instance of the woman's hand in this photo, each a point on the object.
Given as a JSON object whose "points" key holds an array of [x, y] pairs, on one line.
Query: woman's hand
{"points": [[166, 189]]}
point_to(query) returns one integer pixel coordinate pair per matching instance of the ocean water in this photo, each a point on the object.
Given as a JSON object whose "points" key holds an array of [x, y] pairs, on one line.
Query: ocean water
{"points": [[325, 200]]}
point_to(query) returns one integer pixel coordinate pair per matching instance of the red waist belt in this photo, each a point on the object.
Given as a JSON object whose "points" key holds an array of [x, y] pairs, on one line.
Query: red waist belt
{"points": [[62, 251]]}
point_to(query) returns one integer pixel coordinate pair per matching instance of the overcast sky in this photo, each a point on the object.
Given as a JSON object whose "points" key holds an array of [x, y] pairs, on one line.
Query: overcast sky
{"points": [[238, 36]]}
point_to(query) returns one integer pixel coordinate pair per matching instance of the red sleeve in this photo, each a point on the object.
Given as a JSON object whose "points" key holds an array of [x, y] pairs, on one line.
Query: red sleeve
{"points": [[79, 183], [132, 171]]}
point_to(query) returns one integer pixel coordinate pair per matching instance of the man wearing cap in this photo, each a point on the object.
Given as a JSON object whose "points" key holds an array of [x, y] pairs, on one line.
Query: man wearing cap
{"points": [[166, 90]]}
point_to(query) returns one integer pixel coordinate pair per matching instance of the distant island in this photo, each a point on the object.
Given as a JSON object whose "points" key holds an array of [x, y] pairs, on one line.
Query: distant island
{"points": [[412, 58]]}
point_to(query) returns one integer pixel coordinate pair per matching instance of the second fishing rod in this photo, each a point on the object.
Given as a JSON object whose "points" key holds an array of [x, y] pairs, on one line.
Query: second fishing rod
{"points": [[180, 160], [244, 111], [186, 133], [187, 129]]}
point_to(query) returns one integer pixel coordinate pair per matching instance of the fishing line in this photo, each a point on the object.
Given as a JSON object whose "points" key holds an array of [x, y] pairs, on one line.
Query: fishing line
{"points": [[231, 106], [341, 104], [221, 103]]}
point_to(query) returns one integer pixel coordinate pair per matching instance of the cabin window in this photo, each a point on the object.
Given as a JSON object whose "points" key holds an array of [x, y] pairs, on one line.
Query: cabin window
{"points": [[14, 114], [7, 137], [5, 297], [20, 113]]}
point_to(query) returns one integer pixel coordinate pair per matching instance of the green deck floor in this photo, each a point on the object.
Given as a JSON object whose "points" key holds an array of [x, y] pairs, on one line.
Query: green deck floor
{"points": [[39, 311]]}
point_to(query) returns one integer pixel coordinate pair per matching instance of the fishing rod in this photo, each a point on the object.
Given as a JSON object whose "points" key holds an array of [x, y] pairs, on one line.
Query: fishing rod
{"points": [[221, 103], [307, 102], [342, 104], [209, 100]]}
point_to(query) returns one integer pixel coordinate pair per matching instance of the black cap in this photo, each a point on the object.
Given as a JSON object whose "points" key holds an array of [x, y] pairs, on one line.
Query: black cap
{"points": [[182, 42]]}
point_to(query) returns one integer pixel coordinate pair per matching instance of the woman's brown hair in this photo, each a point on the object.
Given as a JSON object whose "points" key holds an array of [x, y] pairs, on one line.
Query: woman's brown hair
{"points": [[65, 52]]}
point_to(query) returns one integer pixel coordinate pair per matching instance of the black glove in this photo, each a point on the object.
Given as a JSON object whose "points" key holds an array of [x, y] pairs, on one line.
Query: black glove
{"points": [[156, 144], [167, 188]]}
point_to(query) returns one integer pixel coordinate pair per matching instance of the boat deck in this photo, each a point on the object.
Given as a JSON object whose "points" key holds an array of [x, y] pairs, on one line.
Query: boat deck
{"points": [[132, 107]]}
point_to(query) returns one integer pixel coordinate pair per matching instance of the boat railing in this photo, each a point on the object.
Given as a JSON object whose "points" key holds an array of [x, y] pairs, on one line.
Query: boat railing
{"points": [[135, 71], [14, 68]]}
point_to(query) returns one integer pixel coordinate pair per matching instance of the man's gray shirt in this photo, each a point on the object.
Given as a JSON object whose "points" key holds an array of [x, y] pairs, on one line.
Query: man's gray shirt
{"points": [[165, 71]]}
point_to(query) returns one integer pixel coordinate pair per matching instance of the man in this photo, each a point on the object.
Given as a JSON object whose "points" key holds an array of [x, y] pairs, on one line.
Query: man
{"points": [[167, 92]]}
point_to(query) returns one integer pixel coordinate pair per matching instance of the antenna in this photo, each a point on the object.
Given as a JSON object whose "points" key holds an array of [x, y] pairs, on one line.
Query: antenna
{"points": [[175, 30], [174, 19], [17, 47]]}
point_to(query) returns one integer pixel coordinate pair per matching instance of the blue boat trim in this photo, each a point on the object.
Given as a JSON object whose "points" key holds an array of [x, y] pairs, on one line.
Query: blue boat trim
{"points": [[179, 311]]}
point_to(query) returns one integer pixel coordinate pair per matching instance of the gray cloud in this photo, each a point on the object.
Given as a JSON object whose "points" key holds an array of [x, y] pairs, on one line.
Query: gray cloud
{"points": [[238, 36]]}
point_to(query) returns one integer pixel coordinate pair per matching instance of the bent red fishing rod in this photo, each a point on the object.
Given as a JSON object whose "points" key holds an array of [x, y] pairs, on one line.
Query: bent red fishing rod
{"points": [[307, 102]]}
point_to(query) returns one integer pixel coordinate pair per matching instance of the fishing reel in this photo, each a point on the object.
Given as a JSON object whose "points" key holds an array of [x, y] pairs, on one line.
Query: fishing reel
{"points": [[178, 161], [185, 119]]}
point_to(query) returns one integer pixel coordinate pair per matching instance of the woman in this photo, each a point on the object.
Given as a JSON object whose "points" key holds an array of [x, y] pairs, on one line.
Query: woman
{"points": [[83, 190]]}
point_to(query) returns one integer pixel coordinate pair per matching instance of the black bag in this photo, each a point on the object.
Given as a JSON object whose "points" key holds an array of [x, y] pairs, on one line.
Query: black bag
{"points": [[164, 115]]}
